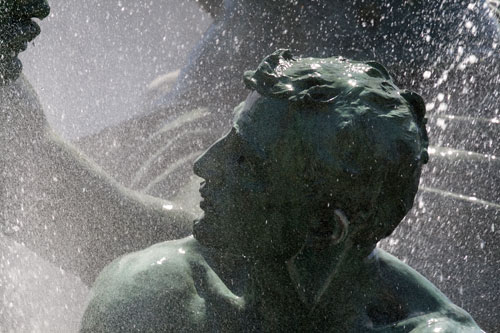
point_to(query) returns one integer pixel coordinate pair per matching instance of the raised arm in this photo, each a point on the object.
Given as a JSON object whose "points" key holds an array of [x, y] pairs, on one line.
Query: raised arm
{"points": [[54, 199]]}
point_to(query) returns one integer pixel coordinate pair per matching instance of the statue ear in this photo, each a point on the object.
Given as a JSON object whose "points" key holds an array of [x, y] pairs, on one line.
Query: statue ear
{"points": [[417, 103], [380, 68], [327, 229], [342, 227]]}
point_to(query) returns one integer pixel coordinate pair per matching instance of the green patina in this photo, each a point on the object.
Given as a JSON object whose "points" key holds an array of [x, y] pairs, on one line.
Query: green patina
{"points": [[308, 152], [323, 160]]}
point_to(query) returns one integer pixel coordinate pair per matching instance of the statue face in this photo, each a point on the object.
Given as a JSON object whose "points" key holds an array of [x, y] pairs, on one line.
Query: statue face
{"points": [[287, 165], [244, 191], [17, 29]]}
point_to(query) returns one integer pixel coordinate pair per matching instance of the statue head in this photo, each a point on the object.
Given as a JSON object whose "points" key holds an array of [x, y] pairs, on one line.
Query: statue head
{"points": [[17, 29], [317, 141]]}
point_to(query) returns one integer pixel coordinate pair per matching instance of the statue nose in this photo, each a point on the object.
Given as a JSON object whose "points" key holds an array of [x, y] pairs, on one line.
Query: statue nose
{"points": [[210, 165], [206, 166]]}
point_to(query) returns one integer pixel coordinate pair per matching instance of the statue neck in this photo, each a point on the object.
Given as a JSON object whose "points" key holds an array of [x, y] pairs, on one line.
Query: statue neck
{"points": [[293, 291], [272, 295], [313, 271]]}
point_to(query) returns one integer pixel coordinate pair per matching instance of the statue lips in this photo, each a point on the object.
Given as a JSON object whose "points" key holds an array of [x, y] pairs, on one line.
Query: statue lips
{"points": [[204, 203]]}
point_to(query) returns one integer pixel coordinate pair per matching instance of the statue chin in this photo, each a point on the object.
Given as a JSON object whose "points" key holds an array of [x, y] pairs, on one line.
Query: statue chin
{"points": [[207, 234], [212, 235]]}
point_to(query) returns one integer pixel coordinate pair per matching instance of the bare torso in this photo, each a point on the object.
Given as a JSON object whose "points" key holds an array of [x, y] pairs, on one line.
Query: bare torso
{"points": [[170, 287]]}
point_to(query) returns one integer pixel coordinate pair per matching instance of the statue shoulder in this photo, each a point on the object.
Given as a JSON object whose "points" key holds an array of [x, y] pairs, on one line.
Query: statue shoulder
{"points": [[149, 290], [425, 307]]}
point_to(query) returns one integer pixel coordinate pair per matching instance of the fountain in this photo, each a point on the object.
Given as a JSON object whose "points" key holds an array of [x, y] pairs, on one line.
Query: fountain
{"points": [[452, 59]]}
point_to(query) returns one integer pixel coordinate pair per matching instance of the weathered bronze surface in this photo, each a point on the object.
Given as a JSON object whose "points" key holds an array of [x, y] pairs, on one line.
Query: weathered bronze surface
{"points": [[463, 67], [323, 160]]}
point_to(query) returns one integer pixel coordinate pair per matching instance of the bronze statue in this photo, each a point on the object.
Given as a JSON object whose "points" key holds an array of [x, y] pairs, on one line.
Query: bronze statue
{"points": [[446, 50], [74, 206], [323, 161]]}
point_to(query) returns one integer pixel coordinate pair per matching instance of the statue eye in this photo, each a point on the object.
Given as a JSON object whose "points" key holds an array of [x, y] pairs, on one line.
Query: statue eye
{"points": [[241, 159]]}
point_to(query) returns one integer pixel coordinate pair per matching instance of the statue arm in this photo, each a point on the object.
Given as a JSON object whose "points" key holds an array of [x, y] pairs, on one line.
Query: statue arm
{"points": [[63, 206], [444, 322]]}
